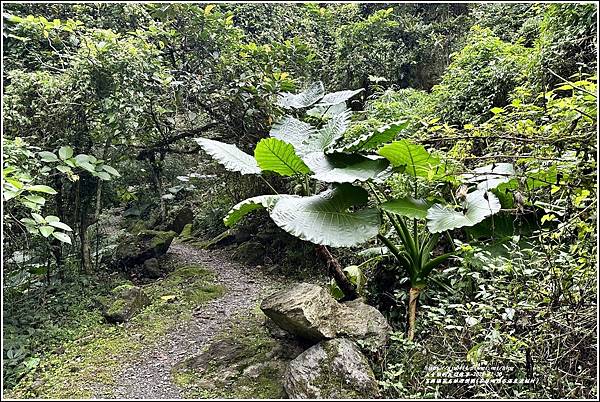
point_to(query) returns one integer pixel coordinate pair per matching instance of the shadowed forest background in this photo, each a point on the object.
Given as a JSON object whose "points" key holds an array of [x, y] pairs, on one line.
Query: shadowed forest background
{"points": [[102, 106]]}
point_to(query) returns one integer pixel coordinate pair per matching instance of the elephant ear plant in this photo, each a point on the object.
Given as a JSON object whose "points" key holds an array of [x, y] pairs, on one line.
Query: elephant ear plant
{"points": [[344, 214]]}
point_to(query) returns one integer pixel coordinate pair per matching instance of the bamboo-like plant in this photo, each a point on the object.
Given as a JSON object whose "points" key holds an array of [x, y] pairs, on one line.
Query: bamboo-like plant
{"points": [[341, 216]]}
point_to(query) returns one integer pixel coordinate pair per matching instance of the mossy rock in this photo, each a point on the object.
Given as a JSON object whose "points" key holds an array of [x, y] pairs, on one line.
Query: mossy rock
{"points": [[186, 232], [243, 363], [136, 249], [334, 369], [124, 302], [250, 252]]}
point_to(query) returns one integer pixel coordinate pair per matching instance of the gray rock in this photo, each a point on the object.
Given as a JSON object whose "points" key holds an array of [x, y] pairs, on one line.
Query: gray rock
{"points": [[305, 310], [362, 323], [334, 369], [310, 312], [125, 301], [136, 249]]}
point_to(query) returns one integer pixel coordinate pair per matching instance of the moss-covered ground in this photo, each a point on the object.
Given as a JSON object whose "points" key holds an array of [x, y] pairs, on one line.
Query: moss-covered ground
{"points": [[242, 362], [90, 352]]}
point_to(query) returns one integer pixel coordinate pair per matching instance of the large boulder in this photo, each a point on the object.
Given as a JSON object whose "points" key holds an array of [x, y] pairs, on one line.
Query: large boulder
{"points": [[124, 302], [310, 312], [136, 249], [334, 369], [183, 217], [306, 310]]}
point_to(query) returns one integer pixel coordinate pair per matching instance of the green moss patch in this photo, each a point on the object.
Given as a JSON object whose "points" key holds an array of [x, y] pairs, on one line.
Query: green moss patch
{"points": [[244, 362], [84, 366]]}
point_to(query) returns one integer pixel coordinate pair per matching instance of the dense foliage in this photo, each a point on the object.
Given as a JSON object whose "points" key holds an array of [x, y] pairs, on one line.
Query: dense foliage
{"points": [[450, 162]]}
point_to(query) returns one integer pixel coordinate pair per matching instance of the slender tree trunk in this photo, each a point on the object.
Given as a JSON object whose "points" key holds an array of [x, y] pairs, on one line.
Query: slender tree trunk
{"points": [[413, 298], [157, 177], [335, 269], [55, 244], [84, 222]]}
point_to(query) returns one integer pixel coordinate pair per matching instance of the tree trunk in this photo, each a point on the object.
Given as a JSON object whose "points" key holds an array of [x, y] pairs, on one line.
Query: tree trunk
{"points": [[413, 298], [84, 222], [156, 176], [335, 269]]}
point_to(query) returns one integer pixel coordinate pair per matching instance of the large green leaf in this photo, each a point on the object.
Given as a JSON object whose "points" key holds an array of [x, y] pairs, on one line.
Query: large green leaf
{"points": [[418, 161], [325, 218], [408, 207], [46, 156], [293, 131], [243, 208], [229, 156], [490, 176], [344, 168], [477, 206], [336, 98], [327, 111], [304, 99], [327, 136], [40, 188], [275, 155], [374, 139], [65, 152]]}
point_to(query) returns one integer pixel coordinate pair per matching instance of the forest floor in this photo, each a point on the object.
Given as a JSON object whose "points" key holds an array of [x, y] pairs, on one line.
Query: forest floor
{"points": [[139, 359]]}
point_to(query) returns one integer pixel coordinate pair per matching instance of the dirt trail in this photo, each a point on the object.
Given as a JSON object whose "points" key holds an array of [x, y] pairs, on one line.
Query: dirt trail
{"points": [[149, 377]]}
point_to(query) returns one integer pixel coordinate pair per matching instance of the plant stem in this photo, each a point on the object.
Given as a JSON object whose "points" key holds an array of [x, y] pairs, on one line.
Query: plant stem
{"points": [[335, 269], [413, 297], [268, 184]]}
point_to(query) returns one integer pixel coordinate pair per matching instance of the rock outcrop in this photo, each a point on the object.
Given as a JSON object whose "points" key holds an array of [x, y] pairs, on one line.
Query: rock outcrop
{"points": [[333, 369]]}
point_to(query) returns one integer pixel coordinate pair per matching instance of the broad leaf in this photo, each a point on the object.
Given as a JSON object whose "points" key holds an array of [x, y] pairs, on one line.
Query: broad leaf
{"points": [[229, 156], [46, 156], [477, 206], [327, 111], [102, 175], [65, 152], [243, 208], [111, 170], [278, 156], [40, 188], [418, 161], [491, 176], [38, 218], [408, 207], [62, 237], [332, 131], [344, 168], [60, 225], [304, 99], [293, 131], [46, 230], [36, 199], [335, 98], [325, 218], [374, 139]]}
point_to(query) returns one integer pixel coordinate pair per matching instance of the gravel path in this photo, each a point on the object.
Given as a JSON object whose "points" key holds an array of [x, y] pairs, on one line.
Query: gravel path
{"points": [[150, 376]]}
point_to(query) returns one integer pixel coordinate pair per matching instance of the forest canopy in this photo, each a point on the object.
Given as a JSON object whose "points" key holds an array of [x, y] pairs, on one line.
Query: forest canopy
{"points": [[436, 162]]}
